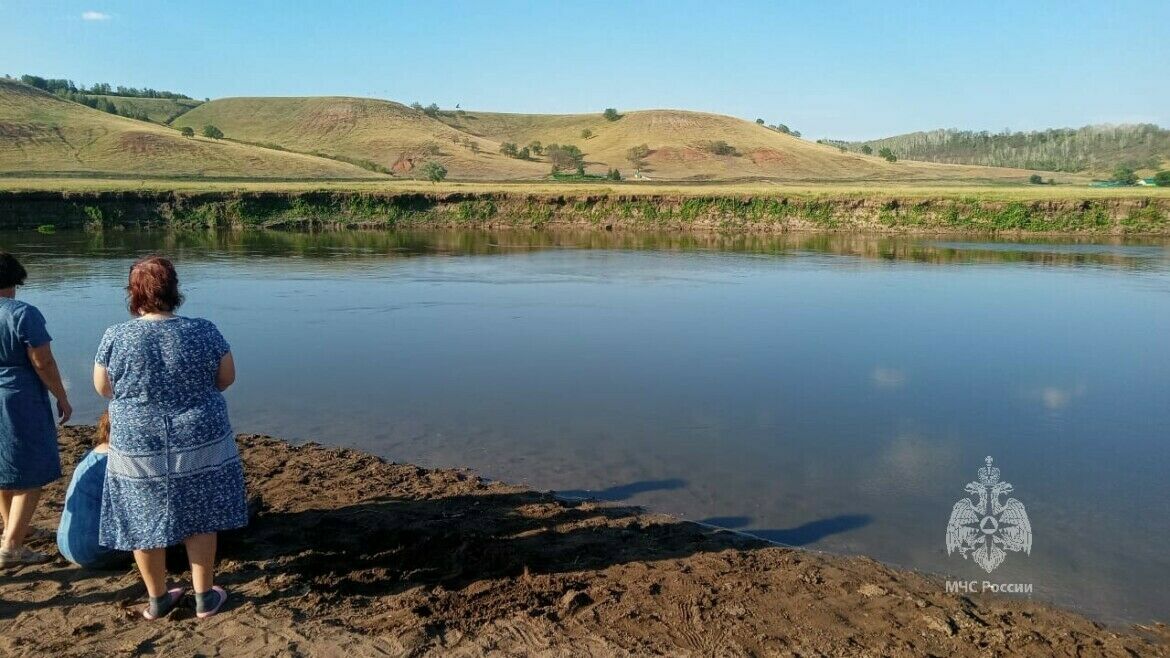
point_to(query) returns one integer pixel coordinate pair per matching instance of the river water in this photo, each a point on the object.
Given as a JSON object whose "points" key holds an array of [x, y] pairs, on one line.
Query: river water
{"points": [[835, 392]]}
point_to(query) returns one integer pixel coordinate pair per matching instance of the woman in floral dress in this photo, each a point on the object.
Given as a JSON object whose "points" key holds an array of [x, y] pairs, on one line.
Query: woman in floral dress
{"points": [[173, 474]]}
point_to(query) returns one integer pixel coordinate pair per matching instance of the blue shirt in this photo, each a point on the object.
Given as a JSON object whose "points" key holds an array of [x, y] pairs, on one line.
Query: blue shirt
{"points": [[77, 536]]}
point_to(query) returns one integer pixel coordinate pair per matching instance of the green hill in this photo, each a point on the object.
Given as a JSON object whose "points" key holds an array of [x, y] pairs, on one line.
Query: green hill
{"points": [[1091, 149], [41, 134]]}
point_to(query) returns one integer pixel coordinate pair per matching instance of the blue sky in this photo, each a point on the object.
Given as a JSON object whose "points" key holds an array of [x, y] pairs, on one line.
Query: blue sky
{"points": [[829, 69]]}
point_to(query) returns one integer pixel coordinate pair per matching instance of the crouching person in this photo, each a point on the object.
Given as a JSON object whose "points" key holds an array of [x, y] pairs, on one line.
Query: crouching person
{"points": [[77, 536]]}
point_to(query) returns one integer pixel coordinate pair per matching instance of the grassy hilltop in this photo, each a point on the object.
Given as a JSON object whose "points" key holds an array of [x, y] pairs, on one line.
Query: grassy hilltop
{"points": [[381, 133], [41, 134]]}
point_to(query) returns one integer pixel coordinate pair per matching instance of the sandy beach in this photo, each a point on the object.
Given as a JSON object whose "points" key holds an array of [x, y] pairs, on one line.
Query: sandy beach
{"points": [[356, 556]]}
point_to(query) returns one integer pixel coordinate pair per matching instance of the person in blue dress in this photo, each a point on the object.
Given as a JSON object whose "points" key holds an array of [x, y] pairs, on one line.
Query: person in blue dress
{"points": [[28, 433], [77, 534], [173, 474]]}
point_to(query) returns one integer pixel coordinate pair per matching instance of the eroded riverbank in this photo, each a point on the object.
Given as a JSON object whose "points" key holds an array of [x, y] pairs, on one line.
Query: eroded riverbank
{"points": [[353, 555], [974, 212]]}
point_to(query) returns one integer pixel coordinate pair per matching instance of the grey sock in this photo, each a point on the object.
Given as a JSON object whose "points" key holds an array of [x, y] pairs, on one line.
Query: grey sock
{"points": [[161, 605], [205, 601]]}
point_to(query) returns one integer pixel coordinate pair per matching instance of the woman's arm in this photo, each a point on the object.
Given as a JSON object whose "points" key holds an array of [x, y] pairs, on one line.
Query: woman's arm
{"points": [[101, 381], [46, 367], [226, 375]]}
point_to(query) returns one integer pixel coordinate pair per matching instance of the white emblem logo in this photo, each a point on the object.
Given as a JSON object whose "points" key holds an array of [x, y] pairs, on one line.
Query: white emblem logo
{"points": [[988, 529]]}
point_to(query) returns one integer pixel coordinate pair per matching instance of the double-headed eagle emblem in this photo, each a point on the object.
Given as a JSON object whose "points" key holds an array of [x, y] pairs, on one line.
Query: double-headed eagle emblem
{"points": [[987, 528]]}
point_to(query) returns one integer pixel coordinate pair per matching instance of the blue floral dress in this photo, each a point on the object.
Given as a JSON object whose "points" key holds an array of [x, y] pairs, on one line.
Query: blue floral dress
{"points": [[28, 430], [173, 469]]}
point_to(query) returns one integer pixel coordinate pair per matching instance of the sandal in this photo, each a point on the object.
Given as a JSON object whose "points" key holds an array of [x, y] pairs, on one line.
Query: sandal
{"points": [[14, 557], [174, 595], [223, 595]]}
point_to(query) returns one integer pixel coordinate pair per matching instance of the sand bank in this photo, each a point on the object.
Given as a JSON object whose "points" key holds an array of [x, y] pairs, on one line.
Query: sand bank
{"points": [[355, 556]]}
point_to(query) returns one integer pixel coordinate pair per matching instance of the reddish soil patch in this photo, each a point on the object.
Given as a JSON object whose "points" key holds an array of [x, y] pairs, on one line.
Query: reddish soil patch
{"points": [[20, 132], [767, 156], [402, 165]]}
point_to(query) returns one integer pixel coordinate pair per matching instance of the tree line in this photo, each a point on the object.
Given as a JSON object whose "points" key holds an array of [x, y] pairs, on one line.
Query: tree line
{"points": [[61, 86], [1091, 148]]}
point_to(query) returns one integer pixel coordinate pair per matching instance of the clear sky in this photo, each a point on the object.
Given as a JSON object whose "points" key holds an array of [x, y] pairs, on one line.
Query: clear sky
{"points": [[842, 69]]}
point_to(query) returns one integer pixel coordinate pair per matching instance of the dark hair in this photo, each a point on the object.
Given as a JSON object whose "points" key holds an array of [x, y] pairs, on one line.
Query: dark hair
{"points": [[153, 287], [11, 271]]}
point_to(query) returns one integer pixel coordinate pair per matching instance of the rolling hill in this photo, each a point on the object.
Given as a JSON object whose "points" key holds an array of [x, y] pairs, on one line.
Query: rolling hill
{"points": [[395, 136], [343, 137], [378, 132], [43, 134], [1091, 149]]}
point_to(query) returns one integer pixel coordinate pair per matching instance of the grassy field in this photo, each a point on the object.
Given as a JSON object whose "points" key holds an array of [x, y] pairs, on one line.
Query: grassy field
{"points": [[43, 134]]}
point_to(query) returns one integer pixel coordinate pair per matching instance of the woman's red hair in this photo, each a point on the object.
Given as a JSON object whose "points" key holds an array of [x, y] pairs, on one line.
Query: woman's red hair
{"points": [[103, 428], [154, 286]]}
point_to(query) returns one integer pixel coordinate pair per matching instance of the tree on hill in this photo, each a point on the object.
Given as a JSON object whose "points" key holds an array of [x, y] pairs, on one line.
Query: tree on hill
{"points": [[1162, 179], [565, 157], [1125, 175], [1036, 179], [473, 146], [586, 133], [188, 131], [611, 114], [524, 154], [535, 147], [614, 174], [431, 110], [434, 171], [416, 106], [783, 128], [795, 133], [719, 147], [509, 149], [212, 132], [637, 155], [760, 121], [866, 149], [886, 153]]}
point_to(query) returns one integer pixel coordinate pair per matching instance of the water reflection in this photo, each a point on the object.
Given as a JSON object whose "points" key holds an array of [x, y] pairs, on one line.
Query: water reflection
{"points": [[348, 245]]}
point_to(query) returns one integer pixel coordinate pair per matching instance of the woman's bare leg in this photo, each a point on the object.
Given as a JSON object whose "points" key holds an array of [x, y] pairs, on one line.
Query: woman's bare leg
{"points": [[5, 503], [201, 553], [20, 506], [152, 564]]}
